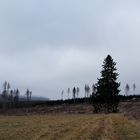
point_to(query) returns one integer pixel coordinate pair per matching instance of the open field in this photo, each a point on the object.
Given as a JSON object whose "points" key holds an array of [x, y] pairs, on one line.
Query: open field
{"points": [[69, 127]]}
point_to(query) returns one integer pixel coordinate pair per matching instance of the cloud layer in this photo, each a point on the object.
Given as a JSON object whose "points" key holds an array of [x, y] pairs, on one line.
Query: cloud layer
{"points": [[49, 46]]}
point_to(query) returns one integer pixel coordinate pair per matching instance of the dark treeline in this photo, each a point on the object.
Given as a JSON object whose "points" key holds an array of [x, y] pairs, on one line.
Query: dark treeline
{"points": [[122, 98], [129, 98]]}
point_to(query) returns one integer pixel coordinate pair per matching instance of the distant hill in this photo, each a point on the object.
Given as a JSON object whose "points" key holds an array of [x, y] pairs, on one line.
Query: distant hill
{"points": [[34, 98]]}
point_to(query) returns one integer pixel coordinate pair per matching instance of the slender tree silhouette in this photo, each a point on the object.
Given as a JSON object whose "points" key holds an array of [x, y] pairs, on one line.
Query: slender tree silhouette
{"points": [[134, 88], [68, 91], [127, 89], [74, 94]]}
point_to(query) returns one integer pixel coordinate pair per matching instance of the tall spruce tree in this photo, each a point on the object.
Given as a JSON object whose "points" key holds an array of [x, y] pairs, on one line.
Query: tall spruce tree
{"points": [[106, 97]]}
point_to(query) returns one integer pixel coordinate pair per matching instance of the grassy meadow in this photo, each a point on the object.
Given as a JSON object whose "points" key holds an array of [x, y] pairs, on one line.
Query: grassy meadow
{"points": [[69, 127]]}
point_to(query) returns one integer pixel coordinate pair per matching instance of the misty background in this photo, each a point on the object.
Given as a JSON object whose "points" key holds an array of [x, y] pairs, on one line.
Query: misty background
{"points": [[50, 45]]}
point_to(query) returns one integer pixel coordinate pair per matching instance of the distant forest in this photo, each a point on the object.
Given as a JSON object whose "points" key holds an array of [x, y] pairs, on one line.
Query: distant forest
{"points": [[104, 95]]}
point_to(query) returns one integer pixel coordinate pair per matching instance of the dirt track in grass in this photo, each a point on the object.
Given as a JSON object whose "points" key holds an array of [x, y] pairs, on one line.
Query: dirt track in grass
{"points": [[69, 127]]}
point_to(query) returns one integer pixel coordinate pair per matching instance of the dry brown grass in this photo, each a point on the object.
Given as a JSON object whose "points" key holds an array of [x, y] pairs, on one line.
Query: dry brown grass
{"points": [[69, 127]]}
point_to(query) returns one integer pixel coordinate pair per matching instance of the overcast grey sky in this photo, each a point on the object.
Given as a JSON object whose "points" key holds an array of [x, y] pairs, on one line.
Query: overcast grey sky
{"points": [[50, 45]]}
